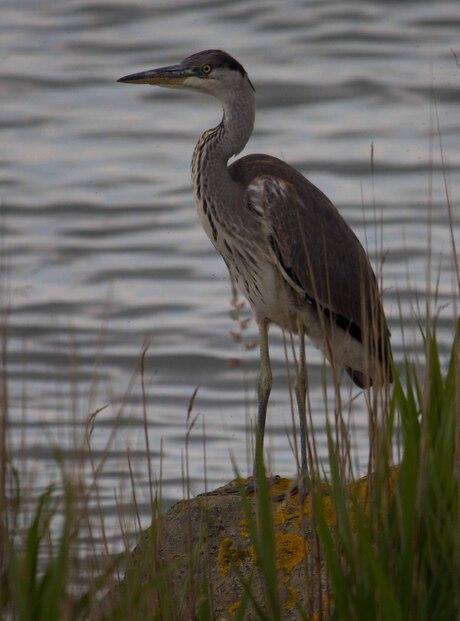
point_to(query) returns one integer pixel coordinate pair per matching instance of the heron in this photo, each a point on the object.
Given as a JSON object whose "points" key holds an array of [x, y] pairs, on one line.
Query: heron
{"points": [[286, 246]]}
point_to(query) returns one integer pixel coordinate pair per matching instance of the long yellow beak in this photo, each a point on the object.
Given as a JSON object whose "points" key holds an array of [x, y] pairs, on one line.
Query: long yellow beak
{"points": [[173, 75]]}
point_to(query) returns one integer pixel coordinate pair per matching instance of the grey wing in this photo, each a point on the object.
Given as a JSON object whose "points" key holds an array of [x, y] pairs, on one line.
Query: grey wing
{"points": [[316, 251]]}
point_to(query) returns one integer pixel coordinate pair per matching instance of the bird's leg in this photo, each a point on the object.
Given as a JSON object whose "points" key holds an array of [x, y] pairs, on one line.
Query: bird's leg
{"points": [[301, 394], [264, 386]]}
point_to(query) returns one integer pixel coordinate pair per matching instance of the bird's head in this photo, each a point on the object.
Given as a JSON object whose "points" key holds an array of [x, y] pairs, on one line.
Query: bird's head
{"points": [[213, 72]]}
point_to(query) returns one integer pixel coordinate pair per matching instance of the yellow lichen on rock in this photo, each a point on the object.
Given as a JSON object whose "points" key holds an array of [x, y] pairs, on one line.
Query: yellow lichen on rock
{"points": [[229, 555], [233, 609], [293, 597], [244, 528], [328, 509], [287, 513], [278, 486], [290, 549]]}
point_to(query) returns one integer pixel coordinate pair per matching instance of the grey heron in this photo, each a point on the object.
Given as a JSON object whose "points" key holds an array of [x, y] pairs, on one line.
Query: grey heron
{"points": [[287, 248]]}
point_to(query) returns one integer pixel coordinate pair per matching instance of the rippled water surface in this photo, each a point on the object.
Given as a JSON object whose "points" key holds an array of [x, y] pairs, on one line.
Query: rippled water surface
{"points": [[103, 248]]}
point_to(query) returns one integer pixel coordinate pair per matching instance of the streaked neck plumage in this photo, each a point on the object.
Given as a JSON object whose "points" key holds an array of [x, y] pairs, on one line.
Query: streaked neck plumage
{"points": [[210, 177]]}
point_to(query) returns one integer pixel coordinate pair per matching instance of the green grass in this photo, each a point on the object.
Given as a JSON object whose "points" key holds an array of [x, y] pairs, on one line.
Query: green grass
{"points": [[394, 556], [397, 556]]}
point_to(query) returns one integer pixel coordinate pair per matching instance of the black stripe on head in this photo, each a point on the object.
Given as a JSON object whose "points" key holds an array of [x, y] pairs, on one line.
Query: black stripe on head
{"points": [[217, 59], [231, 63]]}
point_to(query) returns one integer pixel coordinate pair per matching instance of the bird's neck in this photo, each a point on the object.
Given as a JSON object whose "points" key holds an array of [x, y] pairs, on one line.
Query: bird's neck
{"points": [[216, 146]]}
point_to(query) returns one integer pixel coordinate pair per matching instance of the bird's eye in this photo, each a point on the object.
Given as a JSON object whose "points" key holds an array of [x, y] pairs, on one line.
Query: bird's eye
{"points": [[206, 68]]}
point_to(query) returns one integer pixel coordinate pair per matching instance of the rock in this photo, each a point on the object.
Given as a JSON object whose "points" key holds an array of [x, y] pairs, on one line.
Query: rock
{"points": [[200, 556]]}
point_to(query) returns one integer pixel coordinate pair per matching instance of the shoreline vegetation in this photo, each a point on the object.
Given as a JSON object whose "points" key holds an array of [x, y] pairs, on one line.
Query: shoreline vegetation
{"points": [[384, 547]]}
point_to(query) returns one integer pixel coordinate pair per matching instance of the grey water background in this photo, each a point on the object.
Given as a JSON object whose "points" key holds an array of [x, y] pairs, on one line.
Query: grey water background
{"points": [[103, 252]]}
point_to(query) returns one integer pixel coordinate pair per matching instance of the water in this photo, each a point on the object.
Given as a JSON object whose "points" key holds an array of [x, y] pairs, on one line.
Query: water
{"points": [[104, 250]]}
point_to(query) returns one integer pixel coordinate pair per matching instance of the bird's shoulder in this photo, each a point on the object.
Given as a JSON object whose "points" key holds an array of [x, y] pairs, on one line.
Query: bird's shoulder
{"points": [[260, 172], [287, 199]]}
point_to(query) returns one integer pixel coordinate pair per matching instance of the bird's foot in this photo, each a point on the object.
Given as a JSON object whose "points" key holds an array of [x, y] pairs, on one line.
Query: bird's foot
{"points": [[237, 486], [298, 487], [246, 487]]}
